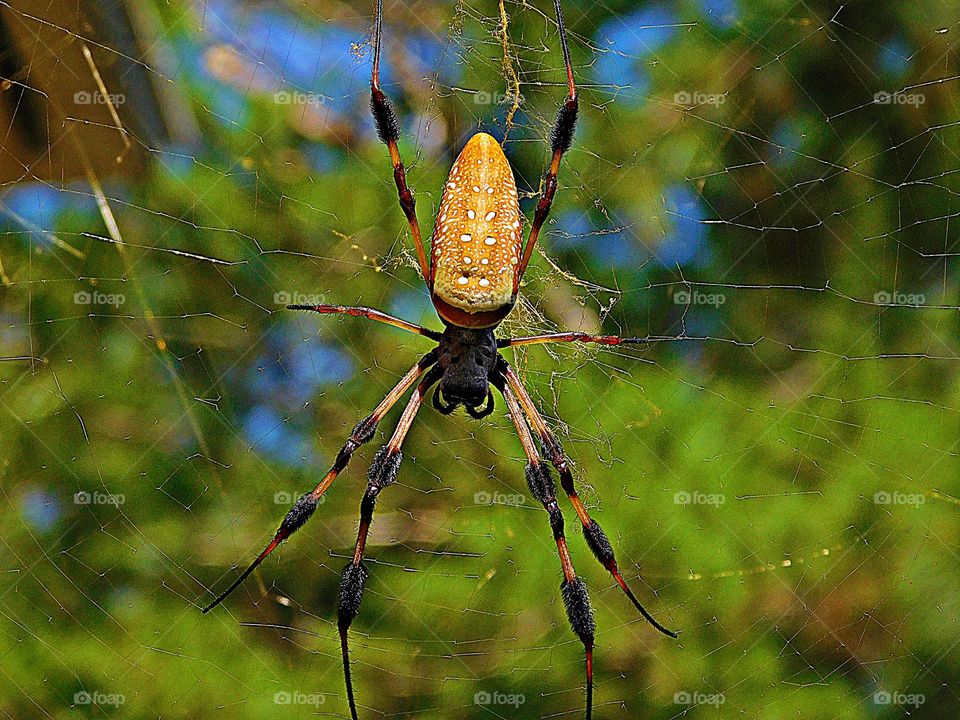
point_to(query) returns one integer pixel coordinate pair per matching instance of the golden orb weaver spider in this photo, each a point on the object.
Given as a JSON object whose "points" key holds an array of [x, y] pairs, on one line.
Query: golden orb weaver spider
{"points": [[477, 260]]}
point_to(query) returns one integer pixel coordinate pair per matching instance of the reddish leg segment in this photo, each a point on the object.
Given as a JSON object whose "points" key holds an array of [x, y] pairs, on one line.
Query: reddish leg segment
{"points": [[594, 535], [370, 314], [307, 504], [383, 472], [574, 590], [569, 337], [560, 140], [388, 128]]}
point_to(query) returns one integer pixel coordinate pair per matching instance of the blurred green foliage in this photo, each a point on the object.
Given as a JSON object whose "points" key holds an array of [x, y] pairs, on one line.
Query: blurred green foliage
{"points": [[777, 466]]}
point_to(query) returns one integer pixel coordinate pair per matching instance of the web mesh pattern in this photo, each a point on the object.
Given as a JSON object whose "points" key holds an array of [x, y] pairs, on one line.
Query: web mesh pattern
{"points": [[763, 194]]}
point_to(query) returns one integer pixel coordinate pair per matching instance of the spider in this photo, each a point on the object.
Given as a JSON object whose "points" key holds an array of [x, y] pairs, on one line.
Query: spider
{"points": [[477, 259]]}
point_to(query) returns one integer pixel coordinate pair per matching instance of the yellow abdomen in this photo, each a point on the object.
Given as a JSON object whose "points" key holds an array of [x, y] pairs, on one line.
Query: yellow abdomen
{"points": [[476, 243]]}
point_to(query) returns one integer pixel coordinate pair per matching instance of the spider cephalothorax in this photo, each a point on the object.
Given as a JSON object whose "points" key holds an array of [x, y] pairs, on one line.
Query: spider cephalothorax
{"points": [[477, 258], [468, 359]]}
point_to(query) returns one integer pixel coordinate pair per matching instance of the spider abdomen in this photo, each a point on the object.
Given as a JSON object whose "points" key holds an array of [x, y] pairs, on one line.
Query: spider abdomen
{"points": [[476, 245]]}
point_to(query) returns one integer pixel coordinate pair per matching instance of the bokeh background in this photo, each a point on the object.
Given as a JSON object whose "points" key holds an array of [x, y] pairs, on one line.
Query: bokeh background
{"points": [[766, 192]]}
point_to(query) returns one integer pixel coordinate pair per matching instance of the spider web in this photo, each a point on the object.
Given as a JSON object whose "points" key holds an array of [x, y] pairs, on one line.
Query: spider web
{"points": [[763, 193]]}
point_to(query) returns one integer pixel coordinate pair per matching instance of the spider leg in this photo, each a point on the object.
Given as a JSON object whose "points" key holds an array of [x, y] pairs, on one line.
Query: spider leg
{"points": [[301, 511], [483, 412], [383, 472], [370, 314], [442, 406], [594, 535], [388, 128], [560, 140], [574, 590], [570, 337]]}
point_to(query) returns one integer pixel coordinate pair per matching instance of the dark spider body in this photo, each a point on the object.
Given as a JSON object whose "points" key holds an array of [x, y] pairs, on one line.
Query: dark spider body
{"points": [[476, 263], [468, 358]]}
